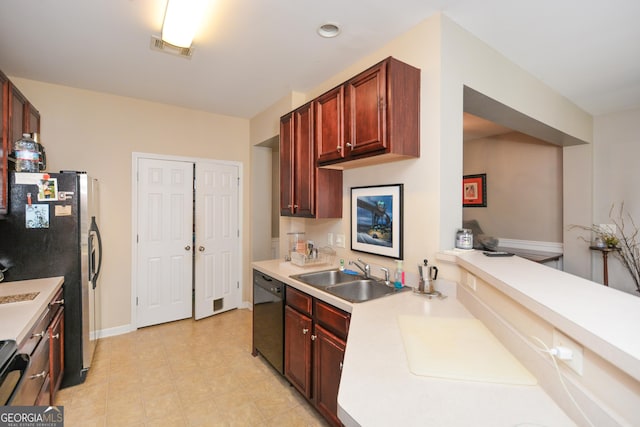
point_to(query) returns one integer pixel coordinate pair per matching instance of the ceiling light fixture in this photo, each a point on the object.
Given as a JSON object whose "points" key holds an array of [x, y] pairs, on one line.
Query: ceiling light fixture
{"points": [[181, 21], [328, 30]]}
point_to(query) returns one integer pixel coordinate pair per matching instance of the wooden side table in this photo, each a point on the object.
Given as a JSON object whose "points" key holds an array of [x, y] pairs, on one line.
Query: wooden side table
{"points": [[605, 254]]}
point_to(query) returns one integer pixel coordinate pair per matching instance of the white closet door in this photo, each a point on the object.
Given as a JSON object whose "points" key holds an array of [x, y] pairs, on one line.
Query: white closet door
{"points": [[217, 242], [165, 235]]}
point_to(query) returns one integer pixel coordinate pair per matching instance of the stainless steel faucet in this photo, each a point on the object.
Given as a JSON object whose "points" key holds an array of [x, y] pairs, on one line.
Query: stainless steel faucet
{"points": [[365, 268], [386, 276]]}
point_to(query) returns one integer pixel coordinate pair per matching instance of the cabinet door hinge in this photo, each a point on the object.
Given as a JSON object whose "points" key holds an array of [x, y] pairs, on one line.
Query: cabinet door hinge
{"points": [[238, 285], [136, 301], [238, 181]]}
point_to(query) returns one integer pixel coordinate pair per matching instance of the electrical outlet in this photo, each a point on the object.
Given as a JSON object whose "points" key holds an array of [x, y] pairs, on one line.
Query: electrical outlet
{"points": [[330, 239], [339, 240], [577, 352], [470, 281]]}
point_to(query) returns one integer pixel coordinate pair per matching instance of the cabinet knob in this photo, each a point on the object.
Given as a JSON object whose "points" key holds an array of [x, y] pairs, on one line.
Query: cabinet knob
{"points": [[339, 148], [349, 145], [295, 206], [341, 364], [305, 330], [56, 302], [187, 248], [38, 335], [313, 337], [201, 248], [56, 336], [289, 206]]}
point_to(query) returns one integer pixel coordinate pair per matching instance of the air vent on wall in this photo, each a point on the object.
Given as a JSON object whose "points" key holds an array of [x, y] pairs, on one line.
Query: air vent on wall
{"points": [[158, 44]]}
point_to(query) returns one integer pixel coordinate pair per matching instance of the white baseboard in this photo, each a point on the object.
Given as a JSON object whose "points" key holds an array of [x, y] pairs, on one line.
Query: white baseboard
{"points": [[118, 330], [125, 329], [531, 245]]}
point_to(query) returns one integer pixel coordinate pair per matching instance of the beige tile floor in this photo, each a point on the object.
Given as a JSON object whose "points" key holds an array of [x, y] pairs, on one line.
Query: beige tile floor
{"points": [[185, 373]]}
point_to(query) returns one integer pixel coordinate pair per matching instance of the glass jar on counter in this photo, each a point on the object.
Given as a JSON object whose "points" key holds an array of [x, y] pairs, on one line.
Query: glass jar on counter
{"points": [[297, 243], [464, 239], [27, 154]]}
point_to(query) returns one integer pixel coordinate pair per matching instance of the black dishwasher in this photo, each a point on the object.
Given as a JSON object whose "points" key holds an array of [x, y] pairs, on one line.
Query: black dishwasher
{"points": [[268, 319]]}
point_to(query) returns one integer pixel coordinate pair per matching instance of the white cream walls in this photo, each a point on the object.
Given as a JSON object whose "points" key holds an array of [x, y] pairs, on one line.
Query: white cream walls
{"points": [[468, 61], [615, 180], [524, 187], [97, 132], [266, 125], [449, 58]]}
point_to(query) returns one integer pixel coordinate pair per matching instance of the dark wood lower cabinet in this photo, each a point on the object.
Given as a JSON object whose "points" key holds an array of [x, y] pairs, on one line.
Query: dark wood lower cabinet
{"points": [[315, 336], [56, 353], [45, 346], [328, 354], [297, 350]]}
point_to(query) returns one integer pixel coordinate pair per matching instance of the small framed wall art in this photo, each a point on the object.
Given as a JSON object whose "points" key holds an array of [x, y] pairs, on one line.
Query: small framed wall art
{"points": [[474, 191], [376, 220]]}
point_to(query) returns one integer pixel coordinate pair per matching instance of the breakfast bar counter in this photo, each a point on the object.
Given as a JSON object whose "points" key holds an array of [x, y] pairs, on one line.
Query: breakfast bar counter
{"points": [[378, 388]]}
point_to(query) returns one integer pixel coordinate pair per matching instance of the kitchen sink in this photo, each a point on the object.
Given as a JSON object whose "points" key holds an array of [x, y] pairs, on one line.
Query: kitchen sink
{"points": [[353, 288], [361, 290], [322, 279]]}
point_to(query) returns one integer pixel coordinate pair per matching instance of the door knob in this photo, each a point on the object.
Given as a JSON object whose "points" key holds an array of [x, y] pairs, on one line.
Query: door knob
{"points": [[201, 248], [187, 248]]}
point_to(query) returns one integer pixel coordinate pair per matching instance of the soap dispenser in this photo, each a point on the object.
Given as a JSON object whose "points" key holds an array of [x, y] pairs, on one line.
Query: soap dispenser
{"points": [[399, 276]]}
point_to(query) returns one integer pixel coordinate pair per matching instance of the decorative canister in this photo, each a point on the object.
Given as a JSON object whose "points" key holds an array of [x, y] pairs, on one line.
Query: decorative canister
{"points": [[26, 154], [464, 239]]}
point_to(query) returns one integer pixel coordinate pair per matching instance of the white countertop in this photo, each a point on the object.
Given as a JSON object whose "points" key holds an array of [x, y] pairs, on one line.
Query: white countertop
{"points": [[377, 388], [281, 270], [602, 318], [17, 318]]}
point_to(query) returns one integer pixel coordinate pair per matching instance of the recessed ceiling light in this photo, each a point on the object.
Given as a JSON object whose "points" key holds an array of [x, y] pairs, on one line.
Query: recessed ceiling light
{"points": [[329, 30]]}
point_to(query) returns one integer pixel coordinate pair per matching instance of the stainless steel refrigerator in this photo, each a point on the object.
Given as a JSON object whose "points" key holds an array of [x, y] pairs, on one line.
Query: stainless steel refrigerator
{"points": [[52, 230]]}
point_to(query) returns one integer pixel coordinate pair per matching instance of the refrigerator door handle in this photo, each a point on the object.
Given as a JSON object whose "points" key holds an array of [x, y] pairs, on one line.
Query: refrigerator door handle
{"points": [[93, 229]]}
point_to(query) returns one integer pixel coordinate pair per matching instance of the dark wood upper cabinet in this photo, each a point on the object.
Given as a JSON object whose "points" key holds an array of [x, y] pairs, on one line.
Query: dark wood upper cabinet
{"points": [[377, 122], [365, 112], [17, 105], [18, 116], [286, 164], [305, 191], [372, 118], [32, 116], [304, 162], [329, 125]]}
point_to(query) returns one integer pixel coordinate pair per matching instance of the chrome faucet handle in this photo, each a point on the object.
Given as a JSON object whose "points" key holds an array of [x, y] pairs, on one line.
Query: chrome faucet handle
{"points": [[365, 268], [386, 276]]}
